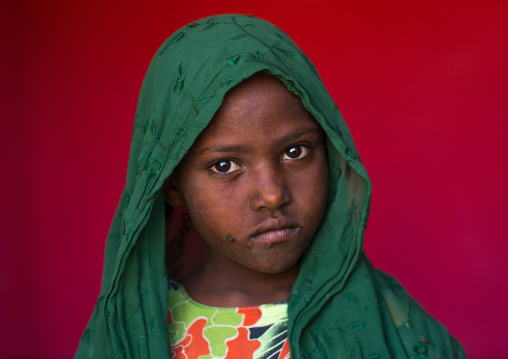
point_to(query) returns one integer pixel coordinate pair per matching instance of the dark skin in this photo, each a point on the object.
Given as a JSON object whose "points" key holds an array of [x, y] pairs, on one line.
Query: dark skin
{"points": [[254, 184]]}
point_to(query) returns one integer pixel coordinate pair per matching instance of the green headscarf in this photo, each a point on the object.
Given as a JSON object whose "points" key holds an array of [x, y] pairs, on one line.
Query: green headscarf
{"points": [[340, 305]]}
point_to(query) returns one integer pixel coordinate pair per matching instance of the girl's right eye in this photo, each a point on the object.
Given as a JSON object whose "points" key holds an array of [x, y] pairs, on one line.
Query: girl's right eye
{"points": [[225, 166]]}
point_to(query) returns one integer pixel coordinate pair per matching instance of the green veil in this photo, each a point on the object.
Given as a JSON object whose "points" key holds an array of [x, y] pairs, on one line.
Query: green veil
{"points": [[340, 305]]}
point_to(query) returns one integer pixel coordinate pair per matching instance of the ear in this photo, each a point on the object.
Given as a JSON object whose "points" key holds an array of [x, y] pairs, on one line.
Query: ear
{"points": [[172, 192]]}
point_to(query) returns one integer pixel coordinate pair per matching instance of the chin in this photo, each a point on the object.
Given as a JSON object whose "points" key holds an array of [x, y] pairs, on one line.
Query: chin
{"points": [[277, 267]]}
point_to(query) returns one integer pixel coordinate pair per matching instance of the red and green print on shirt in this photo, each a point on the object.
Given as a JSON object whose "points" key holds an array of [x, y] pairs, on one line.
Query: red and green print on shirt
{"points": [[198, 331]]}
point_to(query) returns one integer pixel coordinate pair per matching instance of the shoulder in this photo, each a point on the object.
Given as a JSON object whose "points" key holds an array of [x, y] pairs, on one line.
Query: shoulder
{"points": [[372, 315], [420, 333]]}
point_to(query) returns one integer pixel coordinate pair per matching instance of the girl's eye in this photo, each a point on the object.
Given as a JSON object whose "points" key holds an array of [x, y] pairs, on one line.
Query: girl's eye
{"points": [[296, 152], [225, 166]]}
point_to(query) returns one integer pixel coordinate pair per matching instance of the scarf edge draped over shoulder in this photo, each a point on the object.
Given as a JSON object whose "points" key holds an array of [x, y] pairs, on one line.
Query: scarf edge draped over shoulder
{"points": [[340, 305]]}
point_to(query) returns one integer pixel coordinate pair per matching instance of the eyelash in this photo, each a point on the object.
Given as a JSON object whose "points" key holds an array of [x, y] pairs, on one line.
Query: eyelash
{"points": [[302, 151], [230, 163]]}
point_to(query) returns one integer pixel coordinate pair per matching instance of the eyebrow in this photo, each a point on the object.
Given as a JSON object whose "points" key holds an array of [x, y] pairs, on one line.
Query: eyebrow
{"points": [[284, 140], [224, 149], [294, 136]]}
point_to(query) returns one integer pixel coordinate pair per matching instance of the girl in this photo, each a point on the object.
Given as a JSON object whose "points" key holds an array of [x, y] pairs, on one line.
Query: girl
{"points": [[244, 187]]}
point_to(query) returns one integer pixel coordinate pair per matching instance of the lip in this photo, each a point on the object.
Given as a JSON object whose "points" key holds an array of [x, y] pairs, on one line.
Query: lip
{"points": [[275, 231]]}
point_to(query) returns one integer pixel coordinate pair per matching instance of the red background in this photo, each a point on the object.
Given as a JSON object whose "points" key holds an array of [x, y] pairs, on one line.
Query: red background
{"points": [[422, 85]]}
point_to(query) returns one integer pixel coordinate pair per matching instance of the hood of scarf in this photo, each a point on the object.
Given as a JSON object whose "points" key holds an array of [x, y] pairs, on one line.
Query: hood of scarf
{"points": [[336, 298]]}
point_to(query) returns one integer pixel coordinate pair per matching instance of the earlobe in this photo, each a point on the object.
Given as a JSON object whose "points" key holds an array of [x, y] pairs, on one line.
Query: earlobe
{"points": [[171, 191]]}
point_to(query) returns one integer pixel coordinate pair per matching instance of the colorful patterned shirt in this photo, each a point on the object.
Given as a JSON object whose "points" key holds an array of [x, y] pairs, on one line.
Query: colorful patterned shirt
{"points": [[200, 331]]}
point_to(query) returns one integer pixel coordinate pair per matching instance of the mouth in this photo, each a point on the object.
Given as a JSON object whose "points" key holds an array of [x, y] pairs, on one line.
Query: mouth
{"points": [[275, 231]]}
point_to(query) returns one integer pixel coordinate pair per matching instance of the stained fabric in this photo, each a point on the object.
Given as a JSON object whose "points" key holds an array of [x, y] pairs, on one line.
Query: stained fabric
{"points": [[340, 306], [200, 331]]}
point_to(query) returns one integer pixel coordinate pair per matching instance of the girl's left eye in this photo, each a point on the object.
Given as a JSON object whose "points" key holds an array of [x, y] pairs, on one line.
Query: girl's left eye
{"points": [[296, 152], [225, 166]]}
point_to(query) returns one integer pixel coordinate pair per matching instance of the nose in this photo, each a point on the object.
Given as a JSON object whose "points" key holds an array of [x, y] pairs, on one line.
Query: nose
{"points": [[269, 190]]}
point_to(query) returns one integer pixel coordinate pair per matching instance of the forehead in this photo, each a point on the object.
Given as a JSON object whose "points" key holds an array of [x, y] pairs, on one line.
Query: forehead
{"points": [[260, 107], [257, 93]]}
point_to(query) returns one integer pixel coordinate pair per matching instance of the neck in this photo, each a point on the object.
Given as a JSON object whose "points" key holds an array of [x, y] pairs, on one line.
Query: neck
{"points": [[222, 283]]}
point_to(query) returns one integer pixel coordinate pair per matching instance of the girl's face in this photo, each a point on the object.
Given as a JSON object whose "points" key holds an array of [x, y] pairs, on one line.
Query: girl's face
{"points": [[255, 180]]}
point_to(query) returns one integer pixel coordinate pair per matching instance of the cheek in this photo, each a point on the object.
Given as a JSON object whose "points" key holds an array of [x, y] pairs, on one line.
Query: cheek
{"points": [[317, 179], [314, 191], [208, 206]]}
